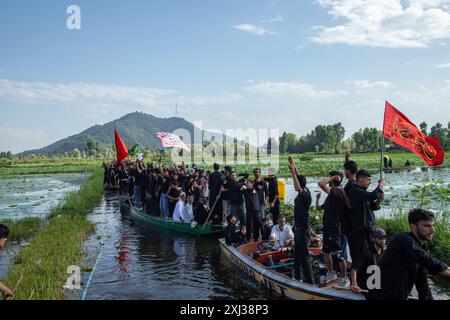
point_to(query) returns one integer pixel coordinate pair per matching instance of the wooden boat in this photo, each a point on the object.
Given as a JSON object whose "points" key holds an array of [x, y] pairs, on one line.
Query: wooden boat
{"points": [[275, 280], [199, 230]]}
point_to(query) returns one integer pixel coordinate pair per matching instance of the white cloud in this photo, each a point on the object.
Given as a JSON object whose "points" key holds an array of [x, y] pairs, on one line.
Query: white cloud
{"points": [[441, 66], [366, 84], [277, 19], [253, 29], [385, 23], [291, 88], [80, 93]]}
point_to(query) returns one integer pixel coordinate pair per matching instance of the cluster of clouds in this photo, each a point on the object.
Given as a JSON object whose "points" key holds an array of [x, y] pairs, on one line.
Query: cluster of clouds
{"points": [[375, 23], [385, 23]]}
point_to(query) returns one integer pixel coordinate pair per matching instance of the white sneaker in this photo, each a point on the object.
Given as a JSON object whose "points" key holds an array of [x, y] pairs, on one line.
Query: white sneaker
{"points": [[343, 283], [330, 277]]}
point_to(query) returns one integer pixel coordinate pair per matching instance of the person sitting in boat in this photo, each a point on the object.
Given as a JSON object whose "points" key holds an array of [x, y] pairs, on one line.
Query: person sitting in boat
{"points": [[370, 256], [266, 229], [179, 209], [188, 214], [240, 237], [281, 235], [230, 229], [201, 211]]}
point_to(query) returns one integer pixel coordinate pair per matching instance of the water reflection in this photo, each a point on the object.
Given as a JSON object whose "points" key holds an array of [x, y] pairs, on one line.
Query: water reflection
{"points": [[142, 262]]}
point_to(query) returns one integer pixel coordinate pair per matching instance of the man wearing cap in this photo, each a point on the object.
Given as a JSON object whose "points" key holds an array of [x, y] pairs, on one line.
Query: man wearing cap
{"points": [[370, 256]]}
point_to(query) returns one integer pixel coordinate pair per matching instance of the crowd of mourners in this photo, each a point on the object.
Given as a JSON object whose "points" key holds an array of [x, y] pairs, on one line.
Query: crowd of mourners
{"points": [[186, 193], [351, 241]]}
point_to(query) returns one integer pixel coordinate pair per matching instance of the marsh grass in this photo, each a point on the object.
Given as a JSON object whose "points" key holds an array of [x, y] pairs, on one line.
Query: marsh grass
{"points": [[43, 264], [23, 229]]}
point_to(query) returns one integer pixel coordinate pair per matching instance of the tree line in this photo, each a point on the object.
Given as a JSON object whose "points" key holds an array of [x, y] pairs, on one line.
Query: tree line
{"points": [[331, 139]]}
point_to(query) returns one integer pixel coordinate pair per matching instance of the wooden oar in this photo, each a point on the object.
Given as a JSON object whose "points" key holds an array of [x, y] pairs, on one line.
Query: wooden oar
{"points": [[367, 291], [212, 209]]}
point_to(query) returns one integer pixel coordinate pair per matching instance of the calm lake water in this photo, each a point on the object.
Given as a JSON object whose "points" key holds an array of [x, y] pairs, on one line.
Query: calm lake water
{"points": [[34, 195]]}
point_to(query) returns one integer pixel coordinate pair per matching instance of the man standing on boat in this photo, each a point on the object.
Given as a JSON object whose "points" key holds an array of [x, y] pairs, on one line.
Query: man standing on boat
{"points": [[407, 260], [4, 233], [260, 186], [215, 182], [302, 259], [350, 169], [363, 204], [274, 202], [332, 232]]}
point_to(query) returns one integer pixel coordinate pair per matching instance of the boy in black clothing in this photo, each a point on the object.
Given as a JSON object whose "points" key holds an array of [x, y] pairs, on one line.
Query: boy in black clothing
{"points": [[240, 237], [252, 203], [266, 229]]}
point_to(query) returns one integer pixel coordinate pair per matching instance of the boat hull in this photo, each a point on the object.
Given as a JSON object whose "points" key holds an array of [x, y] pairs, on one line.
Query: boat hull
{"points": [[199, 230], [279, 283]]}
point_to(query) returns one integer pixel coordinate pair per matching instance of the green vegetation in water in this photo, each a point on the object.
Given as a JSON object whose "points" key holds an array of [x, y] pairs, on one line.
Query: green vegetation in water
{"points": [[43, 264]]}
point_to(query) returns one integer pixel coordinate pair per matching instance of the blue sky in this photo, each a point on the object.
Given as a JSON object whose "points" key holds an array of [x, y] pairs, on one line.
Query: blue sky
{"points": [[282, 64]]}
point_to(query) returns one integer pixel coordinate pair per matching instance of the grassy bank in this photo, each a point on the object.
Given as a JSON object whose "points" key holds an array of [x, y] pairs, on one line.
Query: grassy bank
{"points": [[59, 244], [23, 229], [48, 168]]}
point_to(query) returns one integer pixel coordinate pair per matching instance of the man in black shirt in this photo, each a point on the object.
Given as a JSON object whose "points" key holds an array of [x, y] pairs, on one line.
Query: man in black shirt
{"points": [[302, 259], [230, 229], [333, 208], [201, 211], [215, 182], [274, 202], [260, 186], [234, 189], [350, 169], [369, 257], [164, 202], [252, 208], [363, 204], [266, 229], [226, 207], [406, 261]]}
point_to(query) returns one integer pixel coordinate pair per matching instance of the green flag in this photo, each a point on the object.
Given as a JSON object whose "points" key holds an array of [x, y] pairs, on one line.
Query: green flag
{"points": [[134, 151]]}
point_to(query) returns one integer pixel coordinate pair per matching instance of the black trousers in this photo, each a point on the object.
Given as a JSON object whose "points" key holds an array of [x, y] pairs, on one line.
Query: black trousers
{"points": [[358, 242], [275, 211], [252, 224], [302, 260]]}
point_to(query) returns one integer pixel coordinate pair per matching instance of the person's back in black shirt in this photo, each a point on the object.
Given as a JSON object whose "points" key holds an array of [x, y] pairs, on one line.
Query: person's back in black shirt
{"points": [[301, 209], [405, 264], [333, 208]]}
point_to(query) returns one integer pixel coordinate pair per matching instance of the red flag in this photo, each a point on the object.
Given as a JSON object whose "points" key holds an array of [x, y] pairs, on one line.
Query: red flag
{"points": [[121, 148], [400, 130]]}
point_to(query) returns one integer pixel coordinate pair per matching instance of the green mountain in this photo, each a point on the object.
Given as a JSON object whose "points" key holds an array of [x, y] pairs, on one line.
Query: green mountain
{"points": [[134, 128]]}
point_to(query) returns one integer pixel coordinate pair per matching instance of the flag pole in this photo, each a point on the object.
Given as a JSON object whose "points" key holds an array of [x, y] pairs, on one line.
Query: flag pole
{"points": [[382, 143]]}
